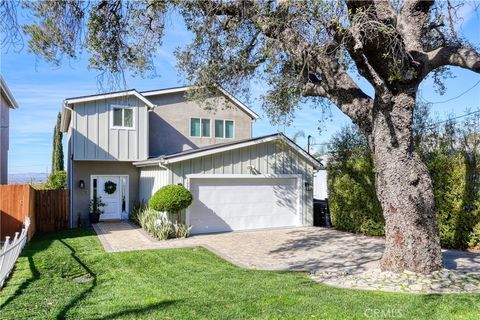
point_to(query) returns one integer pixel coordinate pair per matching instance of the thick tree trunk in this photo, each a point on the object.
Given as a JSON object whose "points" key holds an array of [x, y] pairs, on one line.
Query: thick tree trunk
{"points": [[404, 189]]}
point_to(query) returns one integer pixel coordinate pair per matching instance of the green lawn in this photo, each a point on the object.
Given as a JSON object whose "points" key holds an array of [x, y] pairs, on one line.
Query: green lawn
{"points": [[189, 284]]}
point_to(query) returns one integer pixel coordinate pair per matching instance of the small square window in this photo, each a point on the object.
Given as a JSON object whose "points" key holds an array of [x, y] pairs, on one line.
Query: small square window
{"points": [[122, 117], [219, 129]]}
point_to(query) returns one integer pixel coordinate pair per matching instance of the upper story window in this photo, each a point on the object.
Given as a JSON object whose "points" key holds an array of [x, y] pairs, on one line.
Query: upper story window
{"points": [[122, 117], [199, 127], [224, 129]]}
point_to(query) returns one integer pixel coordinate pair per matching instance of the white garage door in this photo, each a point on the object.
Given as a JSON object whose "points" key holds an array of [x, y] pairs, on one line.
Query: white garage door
{"points": [[227, 204]]}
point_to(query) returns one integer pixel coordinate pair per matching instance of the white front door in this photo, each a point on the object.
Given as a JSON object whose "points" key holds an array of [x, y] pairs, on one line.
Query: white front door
{"points": [[113, 200]]}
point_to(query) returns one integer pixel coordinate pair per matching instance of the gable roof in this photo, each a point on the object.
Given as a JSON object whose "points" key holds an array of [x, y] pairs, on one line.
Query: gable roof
{"points": [[222, 147], [109, 95], [230, 97], [66, 112], [5, 91]]}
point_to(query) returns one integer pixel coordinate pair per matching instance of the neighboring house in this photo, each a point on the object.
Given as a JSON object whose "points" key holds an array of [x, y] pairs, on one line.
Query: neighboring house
{"points": [[7, 102], [142, 141]]}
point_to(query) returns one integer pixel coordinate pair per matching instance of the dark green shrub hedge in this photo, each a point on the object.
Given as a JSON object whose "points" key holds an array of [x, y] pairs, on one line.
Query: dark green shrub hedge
{"points": [[171, 198], [455, 175], [351, 186]]}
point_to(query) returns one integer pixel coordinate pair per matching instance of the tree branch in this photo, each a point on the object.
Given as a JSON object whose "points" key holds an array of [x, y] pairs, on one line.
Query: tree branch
{"points": [[411, 22], [346, 38], [464, 57], [336, 84]]}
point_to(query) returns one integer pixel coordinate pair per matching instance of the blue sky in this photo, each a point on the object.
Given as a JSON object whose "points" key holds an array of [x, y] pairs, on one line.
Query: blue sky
{"points": [[40, 88]]}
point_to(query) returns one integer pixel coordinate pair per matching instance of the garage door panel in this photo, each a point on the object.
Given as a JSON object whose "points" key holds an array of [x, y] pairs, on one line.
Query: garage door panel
{"points": [[242, 204]]}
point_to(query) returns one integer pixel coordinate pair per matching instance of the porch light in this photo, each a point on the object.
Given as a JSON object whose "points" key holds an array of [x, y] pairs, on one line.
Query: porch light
{"points": [[308, 186], [81, 184]]}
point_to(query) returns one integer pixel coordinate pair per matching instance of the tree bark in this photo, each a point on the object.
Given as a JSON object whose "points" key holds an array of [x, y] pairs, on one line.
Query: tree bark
{"points": [[404, 189]]}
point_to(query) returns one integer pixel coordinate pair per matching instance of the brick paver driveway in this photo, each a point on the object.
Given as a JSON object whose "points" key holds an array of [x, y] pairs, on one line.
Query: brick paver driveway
{"points": [[306, 248]]}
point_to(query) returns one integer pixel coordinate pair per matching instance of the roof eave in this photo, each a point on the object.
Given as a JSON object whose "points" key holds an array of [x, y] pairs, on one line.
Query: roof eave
{"points": [[8, 94], [133, 92], [173, 159], [237, 102]]}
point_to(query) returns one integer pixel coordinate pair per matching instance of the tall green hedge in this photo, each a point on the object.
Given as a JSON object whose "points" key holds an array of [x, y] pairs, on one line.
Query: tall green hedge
{"points": [[351, 185], [455, 173]]}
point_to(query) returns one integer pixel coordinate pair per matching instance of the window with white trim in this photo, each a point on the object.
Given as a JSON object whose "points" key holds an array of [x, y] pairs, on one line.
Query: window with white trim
{"points": [[224, 129], [122, 117], [199, 127]]}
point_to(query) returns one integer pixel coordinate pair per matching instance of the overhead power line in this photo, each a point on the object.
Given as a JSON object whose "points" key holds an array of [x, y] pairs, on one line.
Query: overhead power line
{"points": [[454, 118], [456, 97]]}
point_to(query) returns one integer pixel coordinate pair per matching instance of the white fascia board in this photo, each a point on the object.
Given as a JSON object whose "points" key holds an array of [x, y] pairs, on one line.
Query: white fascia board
{"points": [[163, 161], [67, 110], [314, 162], [8, 94], [239, 104], [243, 176], [65, 119], [149, 163], [109, 96], [165, 91]]}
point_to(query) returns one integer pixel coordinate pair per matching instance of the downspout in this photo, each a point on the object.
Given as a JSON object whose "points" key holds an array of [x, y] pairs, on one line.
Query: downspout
{"points": [[70, 166]]}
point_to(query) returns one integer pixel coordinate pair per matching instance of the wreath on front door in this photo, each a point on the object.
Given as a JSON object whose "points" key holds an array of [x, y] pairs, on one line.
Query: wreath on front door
{"points": [[110, 187]]}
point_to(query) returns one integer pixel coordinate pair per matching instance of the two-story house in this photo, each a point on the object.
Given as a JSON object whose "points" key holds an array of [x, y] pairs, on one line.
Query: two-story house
{"points": [[7, 102], [133, 143]]}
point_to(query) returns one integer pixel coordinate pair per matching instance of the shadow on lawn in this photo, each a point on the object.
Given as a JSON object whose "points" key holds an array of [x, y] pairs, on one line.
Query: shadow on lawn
{"points": [[39, 243], [138, 312], [79, 297], [35, 276]]}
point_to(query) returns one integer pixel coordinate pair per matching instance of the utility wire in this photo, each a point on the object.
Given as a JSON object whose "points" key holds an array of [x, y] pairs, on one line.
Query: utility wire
{"points": [[450, 119], [456, 97]]}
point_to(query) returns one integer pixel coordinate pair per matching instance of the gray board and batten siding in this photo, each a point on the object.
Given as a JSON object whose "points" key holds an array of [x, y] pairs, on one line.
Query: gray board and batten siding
{"points": [[268, 158], [95, 139]]}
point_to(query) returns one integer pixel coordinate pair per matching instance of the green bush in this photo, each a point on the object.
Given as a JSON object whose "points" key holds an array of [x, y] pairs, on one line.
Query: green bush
{"points": [[457, 201], [136, 211], [474, 237], [351, 186], [153, 222], [454, 169], [157, 223], [171, 198], [57, 180], [182, 230]]}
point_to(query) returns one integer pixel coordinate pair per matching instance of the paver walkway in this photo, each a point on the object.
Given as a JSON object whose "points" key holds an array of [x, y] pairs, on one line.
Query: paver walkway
{"points": [[311, 249]]}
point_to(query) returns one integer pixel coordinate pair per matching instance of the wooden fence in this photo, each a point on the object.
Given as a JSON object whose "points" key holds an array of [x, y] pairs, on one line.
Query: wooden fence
{"points": [[48, 210], [17, 202], [51, 210]]}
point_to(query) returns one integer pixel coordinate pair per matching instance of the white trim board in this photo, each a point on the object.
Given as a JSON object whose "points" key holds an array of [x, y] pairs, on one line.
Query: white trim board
{"points": [[109, 96], [8, 94]]}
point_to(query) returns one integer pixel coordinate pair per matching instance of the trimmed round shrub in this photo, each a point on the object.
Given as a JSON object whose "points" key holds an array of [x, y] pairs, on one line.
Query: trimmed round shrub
{"points": [[171, 198]]}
